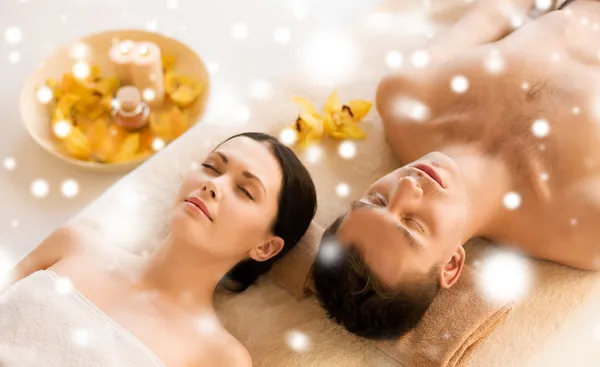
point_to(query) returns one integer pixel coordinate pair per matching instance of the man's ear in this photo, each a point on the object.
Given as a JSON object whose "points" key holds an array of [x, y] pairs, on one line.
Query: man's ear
{"points": [[267, 250], [452, 269]]}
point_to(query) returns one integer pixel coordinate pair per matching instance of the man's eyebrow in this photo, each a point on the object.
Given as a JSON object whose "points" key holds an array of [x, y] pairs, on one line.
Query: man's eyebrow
{"points": [[223, 157], [412, 241], [245, 173]]}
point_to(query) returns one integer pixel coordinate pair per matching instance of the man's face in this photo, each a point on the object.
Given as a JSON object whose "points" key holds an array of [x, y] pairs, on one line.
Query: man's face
{"points": [[410, 219]]}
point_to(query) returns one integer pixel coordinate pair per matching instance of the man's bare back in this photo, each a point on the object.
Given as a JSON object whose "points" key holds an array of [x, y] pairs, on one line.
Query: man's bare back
{"points": [[533, 102]]}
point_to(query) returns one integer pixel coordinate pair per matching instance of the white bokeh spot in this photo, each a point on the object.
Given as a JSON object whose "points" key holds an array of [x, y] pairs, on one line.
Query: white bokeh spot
{"points": [[13, 35], [80, 337], [556, 56], [39, 188], [152, 25], [517, 20], [419, 58], [596, 333], [282, 35], [544, 176], [297, 341], [62, 128], [81, 70], [158, 144], [494, 62], [512, 200], [261, 90], [543, 5], [342, 190], [394, 59], [63, 285], [80, 51], [329, 252], [241, 114], [69, 188], [212, 67], [299, 8], [314, 154], [206, 325], [347, 150], [504, 277], [172, 4], [149, 95], [44, 94], [6, 265], [329, 56], [288, 136], [239, 31], [576, 110], [459, 84], [412, 108], [14, 57], [540, 128], [9, 163]]}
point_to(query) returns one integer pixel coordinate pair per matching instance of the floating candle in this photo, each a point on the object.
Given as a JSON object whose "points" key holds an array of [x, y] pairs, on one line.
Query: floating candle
{"points": [[147, 74], [120, 55]]}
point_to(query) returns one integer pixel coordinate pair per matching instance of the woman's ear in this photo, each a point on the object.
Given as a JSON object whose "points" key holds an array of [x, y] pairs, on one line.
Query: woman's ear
{"points": [[267, 250]]}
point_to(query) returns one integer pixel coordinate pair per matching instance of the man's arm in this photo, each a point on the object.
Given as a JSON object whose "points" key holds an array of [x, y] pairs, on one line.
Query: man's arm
{"points": [[487, 21]]}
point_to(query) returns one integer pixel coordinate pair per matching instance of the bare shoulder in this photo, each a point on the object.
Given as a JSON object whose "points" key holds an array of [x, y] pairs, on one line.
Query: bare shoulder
{"points": [[61, 243], [223, 350]]}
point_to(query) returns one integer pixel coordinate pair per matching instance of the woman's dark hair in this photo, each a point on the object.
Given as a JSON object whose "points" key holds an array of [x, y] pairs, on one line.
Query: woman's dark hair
{"points": [[296, 208]]}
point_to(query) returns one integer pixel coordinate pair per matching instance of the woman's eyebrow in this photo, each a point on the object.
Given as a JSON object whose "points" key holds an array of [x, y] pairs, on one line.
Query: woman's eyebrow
{"points": [[246, 174]]}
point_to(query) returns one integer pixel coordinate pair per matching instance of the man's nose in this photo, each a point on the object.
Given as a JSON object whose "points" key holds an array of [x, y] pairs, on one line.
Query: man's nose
{"points": [[406, 195], [210, 190]]}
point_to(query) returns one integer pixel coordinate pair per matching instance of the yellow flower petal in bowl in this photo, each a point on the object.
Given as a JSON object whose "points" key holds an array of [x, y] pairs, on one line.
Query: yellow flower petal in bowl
{"points": [[77, 145]]}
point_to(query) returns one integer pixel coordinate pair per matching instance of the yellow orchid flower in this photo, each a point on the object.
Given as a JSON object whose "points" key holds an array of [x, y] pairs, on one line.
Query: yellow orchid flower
{"points": [[308, 125], [341, 121], [338, 121]]}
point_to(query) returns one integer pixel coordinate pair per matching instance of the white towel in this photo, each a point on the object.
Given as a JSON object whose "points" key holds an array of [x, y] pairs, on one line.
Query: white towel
{"points": [[44, 323]]}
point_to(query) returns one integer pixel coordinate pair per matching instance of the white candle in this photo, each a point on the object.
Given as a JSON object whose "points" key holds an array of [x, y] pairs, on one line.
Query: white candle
{"points": [[147, 71], [121, 56]]}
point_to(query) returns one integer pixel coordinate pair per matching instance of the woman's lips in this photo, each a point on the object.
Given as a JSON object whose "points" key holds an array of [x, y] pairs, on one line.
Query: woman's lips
{"points": [[199, 204], [431, 172]]}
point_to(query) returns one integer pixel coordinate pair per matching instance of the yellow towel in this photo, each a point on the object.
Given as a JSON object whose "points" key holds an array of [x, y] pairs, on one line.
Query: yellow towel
{"points": [[457, 321]]}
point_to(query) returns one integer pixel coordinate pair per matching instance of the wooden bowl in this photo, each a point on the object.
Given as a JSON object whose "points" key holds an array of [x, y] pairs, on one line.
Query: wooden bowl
{"points": [[36, 115]]}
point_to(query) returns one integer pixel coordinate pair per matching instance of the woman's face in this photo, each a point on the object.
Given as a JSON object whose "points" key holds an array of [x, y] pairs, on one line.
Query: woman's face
{"points": [[227, 207]]}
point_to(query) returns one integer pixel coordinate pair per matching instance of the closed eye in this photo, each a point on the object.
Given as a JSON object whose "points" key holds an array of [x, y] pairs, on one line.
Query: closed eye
{"points": [[377, 199], [210, 167], [416, 224], [246, 192]]}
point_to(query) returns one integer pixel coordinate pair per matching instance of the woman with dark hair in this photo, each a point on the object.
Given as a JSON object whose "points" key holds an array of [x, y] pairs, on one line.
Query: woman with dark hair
{"points": [[249, 204]]}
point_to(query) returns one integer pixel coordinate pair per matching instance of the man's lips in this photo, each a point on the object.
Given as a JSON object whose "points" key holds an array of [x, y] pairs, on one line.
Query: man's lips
{"points": [[195, 201], [431, 172]]}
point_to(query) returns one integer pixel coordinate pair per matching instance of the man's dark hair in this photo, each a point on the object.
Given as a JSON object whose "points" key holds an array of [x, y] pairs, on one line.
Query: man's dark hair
{"points": [[355, 298], [296, 208]]}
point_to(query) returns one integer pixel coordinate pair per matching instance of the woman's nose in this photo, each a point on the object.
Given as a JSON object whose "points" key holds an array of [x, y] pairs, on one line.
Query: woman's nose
{"points": [[406, 195], [210, 190]]}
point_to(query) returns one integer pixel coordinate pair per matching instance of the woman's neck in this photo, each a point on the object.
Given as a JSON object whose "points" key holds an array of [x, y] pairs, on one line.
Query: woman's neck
{"points": [[183, 274]]}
